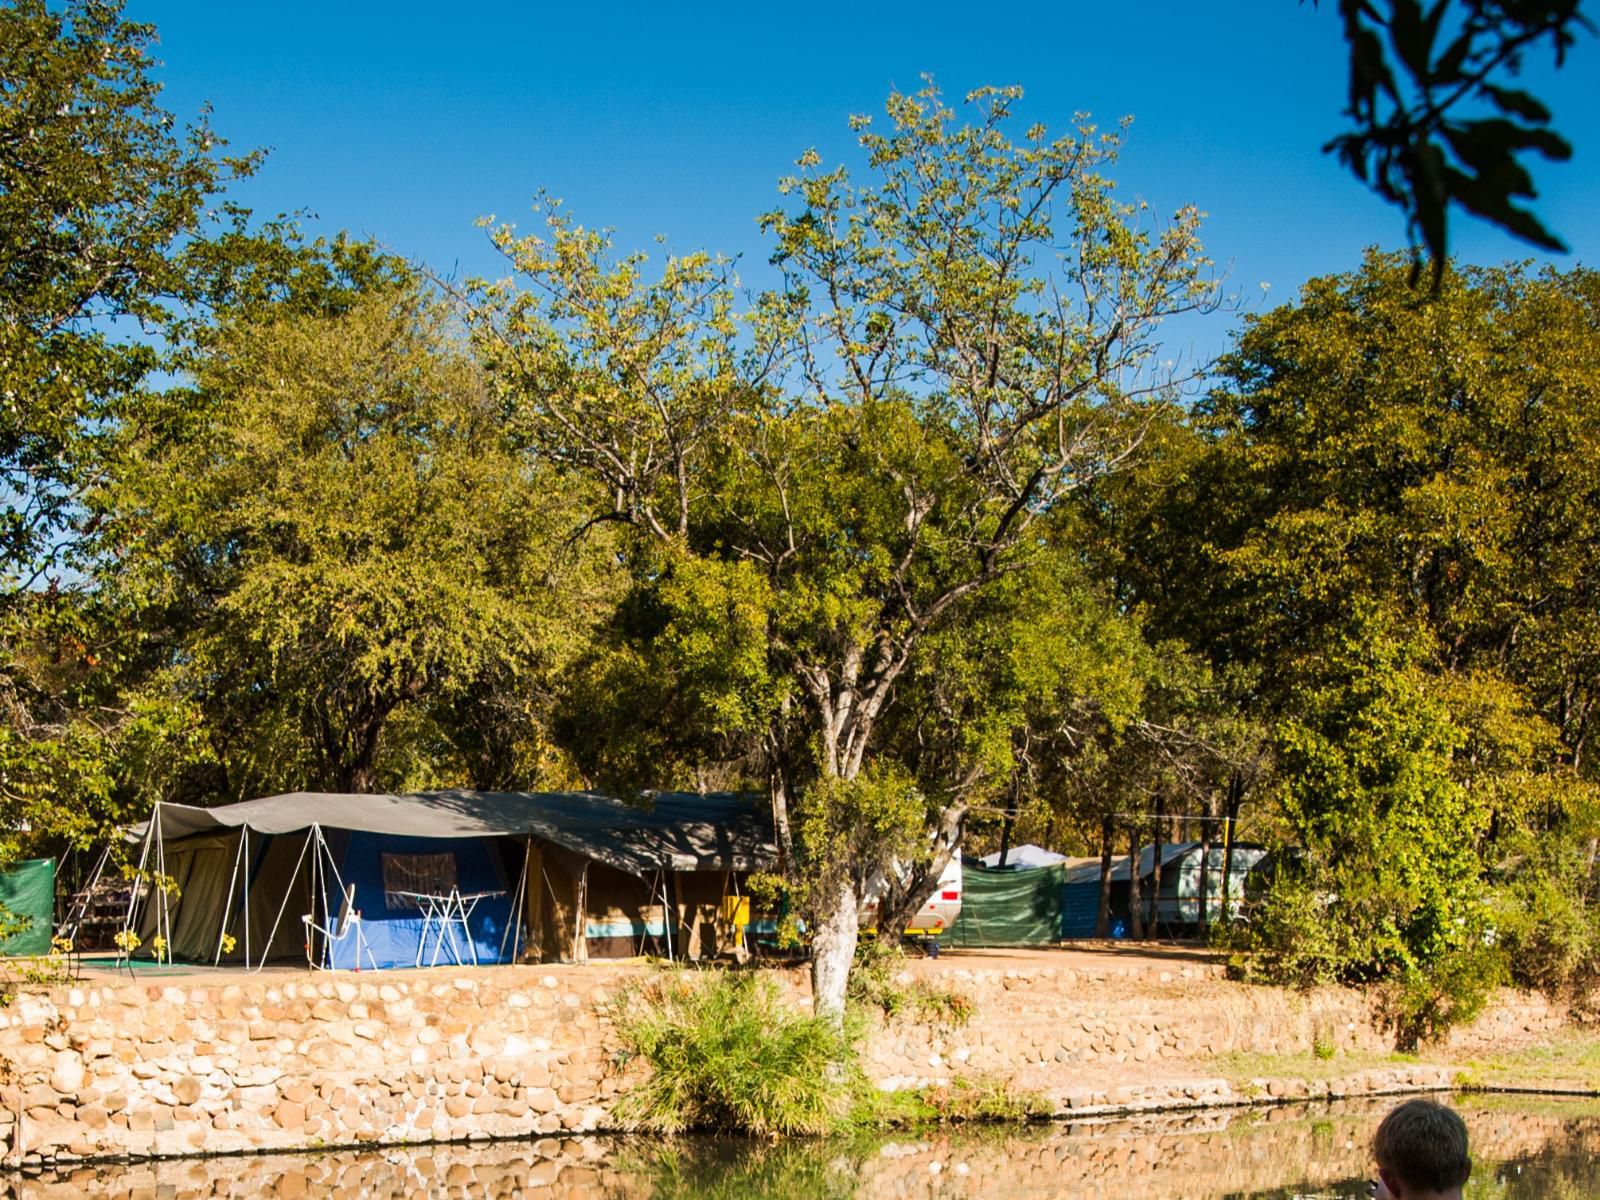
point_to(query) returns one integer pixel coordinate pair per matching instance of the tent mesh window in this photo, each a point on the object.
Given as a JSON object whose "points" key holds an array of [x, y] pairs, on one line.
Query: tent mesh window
{"points": [[424, 874]]}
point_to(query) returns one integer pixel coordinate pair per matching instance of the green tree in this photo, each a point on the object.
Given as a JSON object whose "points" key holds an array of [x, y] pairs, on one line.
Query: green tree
{"points": [[954, 352], [331, 528], [104, 202], [1399, 517], [101, 193]]}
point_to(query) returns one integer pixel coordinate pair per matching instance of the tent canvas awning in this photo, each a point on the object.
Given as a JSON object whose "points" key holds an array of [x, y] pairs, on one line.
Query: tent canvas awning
{"points": [[673, 831]]}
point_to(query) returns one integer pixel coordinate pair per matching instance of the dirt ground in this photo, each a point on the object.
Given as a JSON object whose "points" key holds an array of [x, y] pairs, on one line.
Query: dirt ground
{"points": [[1087, 956]]}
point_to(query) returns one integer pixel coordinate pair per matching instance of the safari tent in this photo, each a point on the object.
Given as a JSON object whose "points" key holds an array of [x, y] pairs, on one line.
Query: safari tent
{"points": [[372, 882]]}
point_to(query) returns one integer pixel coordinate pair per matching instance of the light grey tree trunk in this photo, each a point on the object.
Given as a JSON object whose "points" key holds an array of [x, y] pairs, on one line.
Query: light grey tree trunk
{"points": [[833, 950]]}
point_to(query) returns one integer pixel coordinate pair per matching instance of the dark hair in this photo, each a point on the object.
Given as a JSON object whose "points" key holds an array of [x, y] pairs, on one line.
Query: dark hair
{"points": [[1425, 1144]]}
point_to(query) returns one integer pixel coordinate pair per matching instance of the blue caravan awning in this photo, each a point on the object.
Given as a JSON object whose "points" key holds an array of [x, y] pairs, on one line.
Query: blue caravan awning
{"points": [[674, 831]]}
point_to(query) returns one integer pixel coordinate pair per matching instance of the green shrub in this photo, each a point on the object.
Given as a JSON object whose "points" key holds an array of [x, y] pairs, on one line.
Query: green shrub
{"points": [[725, 1053], [1549, 924], [873, 986]]}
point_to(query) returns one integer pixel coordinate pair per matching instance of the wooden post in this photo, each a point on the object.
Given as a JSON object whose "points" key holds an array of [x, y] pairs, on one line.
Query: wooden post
{"points": [[1235, 791], [1102, 918], [1135, 902], [1152, 927]]}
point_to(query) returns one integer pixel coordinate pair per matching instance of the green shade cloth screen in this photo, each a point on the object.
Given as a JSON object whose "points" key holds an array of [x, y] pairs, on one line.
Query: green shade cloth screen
{"points": [[1008, 908], [28, 893]]}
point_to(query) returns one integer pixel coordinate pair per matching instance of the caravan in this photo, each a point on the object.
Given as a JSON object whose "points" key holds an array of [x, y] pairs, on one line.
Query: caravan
{"points": [[937, 913]]}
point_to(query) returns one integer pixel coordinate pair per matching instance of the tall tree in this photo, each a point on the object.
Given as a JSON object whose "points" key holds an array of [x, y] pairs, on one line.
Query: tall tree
{"points": [[1416, 478], [104, 199], [962, 341], [101, 194], [331, 527]]}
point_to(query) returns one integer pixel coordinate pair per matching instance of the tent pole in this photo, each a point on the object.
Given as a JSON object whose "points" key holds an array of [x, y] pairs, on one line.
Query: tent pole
{"points": [[69, 927], [133, 893], [319, 886], [163, 918], [555, 907], [325, 851], [227, 905], [244, 892], [273, 935], [580, 945], [514, 918], [667, 915]]}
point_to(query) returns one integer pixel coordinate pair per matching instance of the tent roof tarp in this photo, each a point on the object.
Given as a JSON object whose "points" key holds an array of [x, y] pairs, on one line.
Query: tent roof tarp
{"points": [[1020, 858], [675, 831]]}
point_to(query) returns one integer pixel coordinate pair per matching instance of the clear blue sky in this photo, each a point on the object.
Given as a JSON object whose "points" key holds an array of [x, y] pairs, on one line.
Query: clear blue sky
{"points": [[407, 121]]}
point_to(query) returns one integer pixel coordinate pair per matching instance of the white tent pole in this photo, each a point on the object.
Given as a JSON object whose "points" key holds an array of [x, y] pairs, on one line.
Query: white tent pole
{"points": [[273, 936], [163, 916], [245, 892], [516, 908], [667, 914], [227, 905], [79, 910], [133, 894], [319, 892]]}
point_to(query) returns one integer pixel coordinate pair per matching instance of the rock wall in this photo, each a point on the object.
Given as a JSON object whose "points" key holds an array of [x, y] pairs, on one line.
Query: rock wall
{"points": [[294, 1060]]}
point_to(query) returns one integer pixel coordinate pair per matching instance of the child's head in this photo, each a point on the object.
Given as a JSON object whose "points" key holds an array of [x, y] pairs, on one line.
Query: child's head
{"points": [[1423, 1145]]}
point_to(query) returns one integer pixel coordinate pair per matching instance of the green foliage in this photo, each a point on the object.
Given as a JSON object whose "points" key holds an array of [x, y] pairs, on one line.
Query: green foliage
{"points": [[963, 1099], [100, 193], [875, 986], [1417, 140], [817, 494], [725, 1052], [335, 532], [1389, 480]]}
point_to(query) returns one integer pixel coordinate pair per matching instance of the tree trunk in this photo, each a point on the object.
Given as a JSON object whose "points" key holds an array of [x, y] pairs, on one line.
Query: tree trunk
{"points": [[1235, 792], [900, 902], [1203, 921], [833, 950], [1102, 917], [1006, 826], [1135, 900], [1152, 927], [780, 820]]}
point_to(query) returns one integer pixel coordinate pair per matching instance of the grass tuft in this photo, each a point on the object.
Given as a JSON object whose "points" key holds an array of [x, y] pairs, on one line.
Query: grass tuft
{"points": [[726, 1054]]}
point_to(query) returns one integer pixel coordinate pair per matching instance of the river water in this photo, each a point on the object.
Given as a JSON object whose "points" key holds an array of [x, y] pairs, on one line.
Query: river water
{"points": [[1524, 1148]]}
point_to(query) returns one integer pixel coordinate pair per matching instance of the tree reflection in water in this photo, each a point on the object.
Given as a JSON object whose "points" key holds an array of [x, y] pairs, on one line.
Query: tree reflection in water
{"points": [[1524, 1150]]}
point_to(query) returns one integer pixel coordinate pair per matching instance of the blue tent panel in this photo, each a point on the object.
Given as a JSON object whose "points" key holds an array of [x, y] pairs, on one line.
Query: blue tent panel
{"points": [[1080, 907], [393, 931]]}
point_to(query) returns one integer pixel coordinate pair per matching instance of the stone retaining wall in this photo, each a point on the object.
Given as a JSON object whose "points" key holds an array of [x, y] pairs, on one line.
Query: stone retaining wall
{"points": [[294, 1061]]}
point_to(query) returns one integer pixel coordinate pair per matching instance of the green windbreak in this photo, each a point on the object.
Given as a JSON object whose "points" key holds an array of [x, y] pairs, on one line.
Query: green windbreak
{"points": [[28, 893], [1008, 908]]}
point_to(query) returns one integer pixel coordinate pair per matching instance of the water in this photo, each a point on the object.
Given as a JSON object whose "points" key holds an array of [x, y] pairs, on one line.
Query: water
{"points": [[1524, 1149]]}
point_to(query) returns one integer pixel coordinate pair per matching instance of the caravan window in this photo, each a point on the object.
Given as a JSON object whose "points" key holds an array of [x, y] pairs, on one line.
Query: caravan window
{"points": [[426, 874]]}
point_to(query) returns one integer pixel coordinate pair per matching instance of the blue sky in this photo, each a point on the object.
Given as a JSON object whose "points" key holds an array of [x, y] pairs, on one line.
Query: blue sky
{"points": [[407, 121]]}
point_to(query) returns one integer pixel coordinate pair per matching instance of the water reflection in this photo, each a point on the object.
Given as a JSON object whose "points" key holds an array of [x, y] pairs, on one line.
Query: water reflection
{"points": [[1524, 1150]]}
